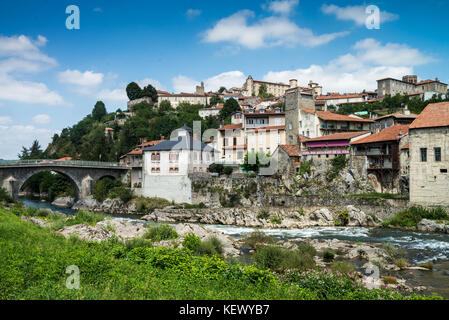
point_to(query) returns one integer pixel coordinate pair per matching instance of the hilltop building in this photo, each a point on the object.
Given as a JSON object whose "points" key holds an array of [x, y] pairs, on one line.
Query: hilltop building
{"points": [[409, 85], [277, 89], [429, 156]]}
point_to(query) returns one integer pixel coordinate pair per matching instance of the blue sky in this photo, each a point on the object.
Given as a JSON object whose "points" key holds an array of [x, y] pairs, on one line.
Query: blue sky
{"points": [[50, 77]]}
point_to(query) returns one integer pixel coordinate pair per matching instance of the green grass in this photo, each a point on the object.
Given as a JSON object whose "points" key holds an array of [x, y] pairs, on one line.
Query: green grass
{"points": [[34, 261], [161, 232], [412, 216]]}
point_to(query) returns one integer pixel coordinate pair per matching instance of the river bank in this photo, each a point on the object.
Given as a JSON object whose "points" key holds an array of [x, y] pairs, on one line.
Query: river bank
{"points": [[416, 247]]}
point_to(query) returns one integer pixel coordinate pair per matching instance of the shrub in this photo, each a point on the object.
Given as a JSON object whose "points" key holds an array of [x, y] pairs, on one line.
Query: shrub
{"points": [[263, 214], [412, 216], [191, 242], [216, 168], [427, 265], [389, 280], [256, 238], [328, 255], [137, 243], [147, 205], [281, 259], [339, 162], [276, 220], [344, 217], [85, 217], [307, 249], [343, 267], [305, 167], [210, 246], [125, 194], [401, 263], [161, 232], [228, 170], [4, 196], [301, 211], [103, 187]]}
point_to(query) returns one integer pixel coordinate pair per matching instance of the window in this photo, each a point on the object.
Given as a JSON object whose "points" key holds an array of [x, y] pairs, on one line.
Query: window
{"points": [[300, 124], [173, 156], [239, 154], [437, 154], [155, 170], [174, 170], [155, 156], [423, 154]]}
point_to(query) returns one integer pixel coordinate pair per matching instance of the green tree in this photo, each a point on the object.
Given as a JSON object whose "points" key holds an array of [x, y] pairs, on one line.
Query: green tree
{"points": [[216, 99], [165, 106], [253, 161], [230, 106], [263, 92], [222, 89], [133, 91], [99, 111], [149, 91]]}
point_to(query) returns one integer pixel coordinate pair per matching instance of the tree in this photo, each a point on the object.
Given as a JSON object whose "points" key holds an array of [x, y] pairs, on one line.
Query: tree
{"points": [[133, 91], [99, 111], [221, 89], [149, 91], [253, 161], [230, 106], [263, 92], [34, 152], [165, 106], [216, 99]]}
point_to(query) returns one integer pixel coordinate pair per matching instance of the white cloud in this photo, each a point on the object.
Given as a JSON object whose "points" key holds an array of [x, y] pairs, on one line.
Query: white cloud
{"points": [[356, 14], [226, 79], [23, 136], [84, 79], [28, 92], [42, 119], [25, 48], [266, 32], [359, 70], [98, 10], [282, 7], [5, 120], [156, 84], [192, 13], [114, 96]]}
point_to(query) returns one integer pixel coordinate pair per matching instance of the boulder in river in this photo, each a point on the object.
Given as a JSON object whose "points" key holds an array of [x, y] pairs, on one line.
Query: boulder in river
{"points": [[88, 203], [426, 225], [63, 202]]}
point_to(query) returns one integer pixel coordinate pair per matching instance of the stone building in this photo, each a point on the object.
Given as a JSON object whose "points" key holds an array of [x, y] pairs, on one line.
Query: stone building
{"points": [[167, 166], [399, 118], [277, 89], [410, 85], [327, 147], [296, 99], [429, 156], [286, 160], [232, 143], [382, 152], [199, 97]]}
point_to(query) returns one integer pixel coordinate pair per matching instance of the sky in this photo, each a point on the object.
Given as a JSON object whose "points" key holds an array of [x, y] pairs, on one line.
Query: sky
{"points": [[51, 76]]}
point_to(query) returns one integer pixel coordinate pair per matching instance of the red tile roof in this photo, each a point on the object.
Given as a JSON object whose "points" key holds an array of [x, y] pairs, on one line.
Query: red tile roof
{"points": [[231, 127], [291, 150], [162, 92], [389, 134], [150, 143], [327, 115], [332, 97], [338, 136], [434, 115], [399, 115]]}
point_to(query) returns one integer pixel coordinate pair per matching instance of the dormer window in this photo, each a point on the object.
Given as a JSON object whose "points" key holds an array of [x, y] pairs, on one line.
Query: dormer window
{"points": [[278, 110], [251, 111], [262, 110]]}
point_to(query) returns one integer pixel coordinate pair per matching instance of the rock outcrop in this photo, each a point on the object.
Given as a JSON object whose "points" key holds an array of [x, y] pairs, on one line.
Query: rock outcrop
{"points": [[358, 218], [86, 232], [88, 203], [63, 202], [426, 225]]}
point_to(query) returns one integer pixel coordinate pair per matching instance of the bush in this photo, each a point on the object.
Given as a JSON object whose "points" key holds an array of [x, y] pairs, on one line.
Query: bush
{"points": [[137, 243], [4, 196], [412, 216], [276, 220], [147, 205], [328, 255], [85, 217], [427, 265], [307, 249], [344, 217], [125, 194], [401, 263], [389, 280], [191, 242], [210, 246], [228, 170], [103, 187], [281, 259], [216, 168], [263, 214], [161, 232], [343, 267], [256, 238]]}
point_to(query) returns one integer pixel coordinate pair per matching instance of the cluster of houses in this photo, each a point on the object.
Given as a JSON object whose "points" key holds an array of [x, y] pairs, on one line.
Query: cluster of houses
{"points": [[302, 129]]}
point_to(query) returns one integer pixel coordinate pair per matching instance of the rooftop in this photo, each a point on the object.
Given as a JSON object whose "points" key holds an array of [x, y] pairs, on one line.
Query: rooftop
{"points": [[399, 115], [338, 136], [392, 133], [181, 143], [291, 149], [330, 116], [434, 115]]}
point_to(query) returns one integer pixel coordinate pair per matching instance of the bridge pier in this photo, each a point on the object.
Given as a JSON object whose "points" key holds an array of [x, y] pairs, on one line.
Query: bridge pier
{"points": [[11, 186], [87, 187]]}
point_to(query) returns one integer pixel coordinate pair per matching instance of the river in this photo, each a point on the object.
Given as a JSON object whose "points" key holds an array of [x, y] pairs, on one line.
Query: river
{"points": [[418, 247]]}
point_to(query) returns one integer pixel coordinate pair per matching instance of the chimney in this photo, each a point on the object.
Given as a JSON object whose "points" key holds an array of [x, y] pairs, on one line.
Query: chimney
{"points": [[162, 138]]}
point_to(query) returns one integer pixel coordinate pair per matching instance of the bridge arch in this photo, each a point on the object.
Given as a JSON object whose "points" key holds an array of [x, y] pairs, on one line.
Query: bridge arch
{"points": [[73, 180]]}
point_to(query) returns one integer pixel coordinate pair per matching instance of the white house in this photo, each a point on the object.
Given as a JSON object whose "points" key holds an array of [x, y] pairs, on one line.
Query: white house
{"points": [[167, 165]]}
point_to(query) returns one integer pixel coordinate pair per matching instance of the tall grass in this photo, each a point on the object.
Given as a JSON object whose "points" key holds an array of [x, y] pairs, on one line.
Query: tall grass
{"points": [[412, 216]]}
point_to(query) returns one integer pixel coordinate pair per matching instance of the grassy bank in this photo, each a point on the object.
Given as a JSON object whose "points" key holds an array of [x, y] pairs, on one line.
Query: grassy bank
{"points": [[410, 217], [34, 260]]}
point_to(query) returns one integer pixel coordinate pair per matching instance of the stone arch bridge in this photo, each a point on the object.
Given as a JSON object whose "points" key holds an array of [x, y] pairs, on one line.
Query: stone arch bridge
{"points": [[82, 174]]}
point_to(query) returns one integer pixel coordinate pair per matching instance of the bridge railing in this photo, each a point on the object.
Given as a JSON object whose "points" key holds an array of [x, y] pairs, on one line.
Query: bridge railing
{"points": [[61, 163]]}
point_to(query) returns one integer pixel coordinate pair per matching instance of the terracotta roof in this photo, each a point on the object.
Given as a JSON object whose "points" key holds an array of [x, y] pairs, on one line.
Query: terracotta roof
{"points": [[162, 92], [276, 83], [339, 136], [217, 107], [231, 127], [429, 81], [64, 159], [434, 115], [109, 129], [327, 115], [267, 128], [399, 115], [291, 150], [388, 134], [150, 143], [332, 97], [135, 152], [266, 111]]}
